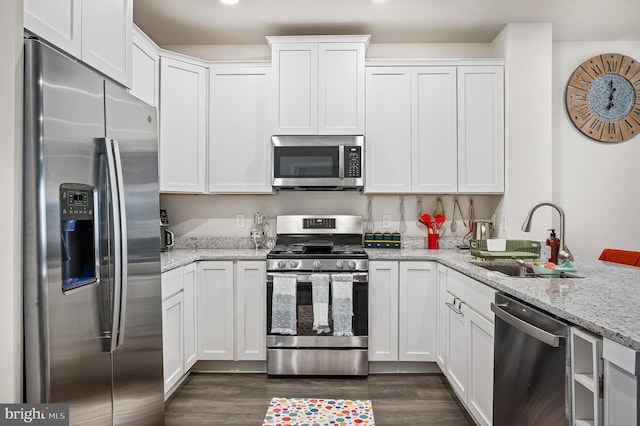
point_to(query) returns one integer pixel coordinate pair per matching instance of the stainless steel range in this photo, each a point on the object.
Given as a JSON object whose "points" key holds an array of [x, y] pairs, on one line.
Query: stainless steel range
{"points": [[317, 297]]}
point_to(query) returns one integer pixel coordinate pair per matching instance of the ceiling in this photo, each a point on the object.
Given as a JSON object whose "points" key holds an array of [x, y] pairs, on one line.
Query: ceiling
{"points": [[195, 22]]}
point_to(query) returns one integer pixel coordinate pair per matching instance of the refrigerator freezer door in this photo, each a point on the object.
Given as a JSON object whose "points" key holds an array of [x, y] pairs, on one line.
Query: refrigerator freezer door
{"points": [[137, 360], [66, 329]]}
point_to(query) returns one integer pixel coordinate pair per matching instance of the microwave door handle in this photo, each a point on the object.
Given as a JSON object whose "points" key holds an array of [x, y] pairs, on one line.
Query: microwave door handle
{"points": [[341, 161]]}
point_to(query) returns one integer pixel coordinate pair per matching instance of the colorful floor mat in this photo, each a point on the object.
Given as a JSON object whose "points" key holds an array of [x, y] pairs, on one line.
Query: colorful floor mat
{"points": [[318, 412]]}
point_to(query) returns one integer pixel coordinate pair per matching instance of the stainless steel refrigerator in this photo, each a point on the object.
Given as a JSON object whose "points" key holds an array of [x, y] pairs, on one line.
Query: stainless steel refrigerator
{"points": [[92, 302]]}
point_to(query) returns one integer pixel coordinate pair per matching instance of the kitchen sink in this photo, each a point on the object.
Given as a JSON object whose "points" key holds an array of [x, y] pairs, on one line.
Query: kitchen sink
{"points": [[521, 271]]}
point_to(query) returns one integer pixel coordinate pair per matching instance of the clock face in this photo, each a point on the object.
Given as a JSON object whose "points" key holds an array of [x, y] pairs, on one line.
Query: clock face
{"points": [[603, 98]]}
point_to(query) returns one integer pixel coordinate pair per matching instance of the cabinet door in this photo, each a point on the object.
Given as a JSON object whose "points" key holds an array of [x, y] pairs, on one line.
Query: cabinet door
{"points": [[480, 367], [107, 26], [434, 166], [457, 346], [621, 384], [295, 70], [383, 311], [341, 89], [239, 144], [251, 301], [480, 129], [417, 311], [190, 316], [215, 310], [172, 340], [442, 313], [183, 126], [57, 21], [145, 68], [388, 130]]}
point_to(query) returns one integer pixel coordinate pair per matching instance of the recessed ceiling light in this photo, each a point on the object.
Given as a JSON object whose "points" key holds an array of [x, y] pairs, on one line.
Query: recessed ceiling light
{"points": [[229, 1]]}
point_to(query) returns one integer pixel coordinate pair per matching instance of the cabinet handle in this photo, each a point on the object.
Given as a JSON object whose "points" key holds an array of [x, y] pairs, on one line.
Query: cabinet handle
{"points": [[455, 308]]}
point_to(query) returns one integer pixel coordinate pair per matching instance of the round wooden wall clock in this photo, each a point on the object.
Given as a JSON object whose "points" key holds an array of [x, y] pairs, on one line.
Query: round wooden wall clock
{"points": [[603, 97]]}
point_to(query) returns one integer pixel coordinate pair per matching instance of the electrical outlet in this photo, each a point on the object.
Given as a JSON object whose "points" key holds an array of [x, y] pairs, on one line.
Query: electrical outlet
{"points": [[386, 221], [239, 221], [503, 223]]}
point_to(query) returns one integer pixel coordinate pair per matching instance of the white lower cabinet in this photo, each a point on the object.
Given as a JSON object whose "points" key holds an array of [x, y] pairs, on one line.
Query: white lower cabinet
{"points": [[621, 384], [417, 311], [231, 310], [172, 340], [173, 327], [402, 302], [190, 297], [467, 354], [586, 378], [383, 311], [441, 317]]}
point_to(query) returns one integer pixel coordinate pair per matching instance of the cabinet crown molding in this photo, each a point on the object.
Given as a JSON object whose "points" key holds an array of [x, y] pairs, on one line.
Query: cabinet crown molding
{"points": [[319, 39]]}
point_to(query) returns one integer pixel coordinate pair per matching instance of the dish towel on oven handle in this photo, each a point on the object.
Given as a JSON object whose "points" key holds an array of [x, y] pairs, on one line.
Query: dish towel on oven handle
{"points": [[342, 304], [320, 297], [283, 304]]}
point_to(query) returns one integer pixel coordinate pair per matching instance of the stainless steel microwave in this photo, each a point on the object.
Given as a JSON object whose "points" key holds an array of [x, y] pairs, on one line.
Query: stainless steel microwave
{"points": [[318, 162]]}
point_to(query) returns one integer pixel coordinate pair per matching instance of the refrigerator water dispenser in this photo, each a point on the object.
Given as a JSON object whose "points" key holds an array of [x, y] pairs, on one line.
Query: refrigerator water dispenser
{"points": [[77, 231]]}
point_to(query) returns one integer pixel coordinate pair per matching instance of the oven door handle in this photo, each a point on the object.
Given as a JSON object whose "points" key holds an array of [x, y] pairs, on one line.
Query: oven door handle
{"points": [[358, 277]]}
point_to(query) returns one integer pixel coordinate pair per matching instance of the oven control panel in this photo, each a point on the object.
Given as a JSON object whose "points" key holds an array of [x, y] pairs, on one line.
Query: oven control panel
{"points": [[319, 223]]}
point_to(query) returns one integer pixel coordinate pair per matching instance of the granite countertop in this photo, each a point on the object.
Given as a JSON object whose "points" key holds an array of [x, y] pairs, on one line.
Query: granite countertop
{"points": [[179, 257], [605, 301]]}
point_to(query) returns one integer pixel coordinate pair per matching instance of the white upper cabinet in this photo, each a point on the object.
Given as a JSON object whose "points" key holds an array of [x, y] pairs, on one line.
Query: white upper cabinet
{"points": [[318, 85], [98, 32], [183, 125], [411, 130], [480, 129], [239, 139], [145, 68], [434, 129], [106, 37], [57, 21], [388, 132]]}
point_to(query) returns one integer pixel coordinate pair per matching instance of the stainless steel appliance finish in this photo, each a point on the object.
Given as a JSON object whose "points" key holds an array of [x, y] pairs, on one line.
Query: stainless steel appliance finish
{"points": [[167, 238], [318, 162], [319, 244], [92, 303], [531, 366], [317, 362]]}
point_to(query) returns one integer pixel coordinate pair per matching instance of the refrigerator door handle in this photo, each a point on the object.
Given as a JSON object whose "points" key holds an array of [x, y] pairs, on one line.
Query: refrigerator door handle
{"points": [[119, 291]]}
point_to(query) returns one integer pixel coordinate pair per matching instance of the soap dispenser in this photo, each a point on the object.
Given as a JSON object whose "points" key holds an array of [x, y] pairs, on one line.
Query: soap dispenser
{"points": [[554, 246]]}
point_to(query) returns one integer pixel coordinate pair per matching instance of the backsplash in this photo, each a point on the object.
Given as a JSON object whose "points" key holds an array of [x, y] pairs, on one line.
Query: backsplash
{"points": [[194, 243], [198, 216]]}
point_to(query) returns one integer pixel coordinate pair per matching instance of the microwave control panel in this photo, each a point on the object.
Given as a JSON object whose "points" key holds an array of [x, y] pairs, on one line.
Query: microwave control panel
{"points": [[353, 161]]}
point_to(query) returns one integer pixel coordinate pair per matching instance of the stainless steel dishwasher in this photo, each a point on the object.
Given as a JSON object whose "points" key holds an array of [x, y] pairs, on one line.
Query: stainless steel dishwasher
{"points": [[531, 366]]}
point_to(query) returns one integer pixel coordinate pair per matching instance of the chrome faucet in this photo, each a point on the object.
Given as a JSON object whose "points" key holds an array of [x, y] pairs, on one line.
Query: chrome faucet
{"points": [[563, 253]]}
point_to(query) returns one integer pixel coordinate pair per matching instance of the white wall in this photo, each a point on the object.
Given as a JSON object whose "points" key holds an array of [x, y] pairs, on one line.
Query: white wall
{"points": [[11, 194], [527, 51], [598, 184]]}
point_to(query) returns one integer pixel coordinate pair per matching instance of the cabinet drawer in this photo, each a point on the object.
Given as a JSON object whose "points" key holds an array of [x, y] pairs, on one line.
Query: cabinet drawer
{"points": [[473, 293], [172, 282]]}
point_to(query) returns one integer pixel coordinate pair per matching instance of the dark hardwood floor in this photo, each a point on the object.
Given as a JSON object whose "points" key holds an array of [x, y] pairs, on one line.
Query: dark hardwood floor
{"points": [[242, 399]]}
